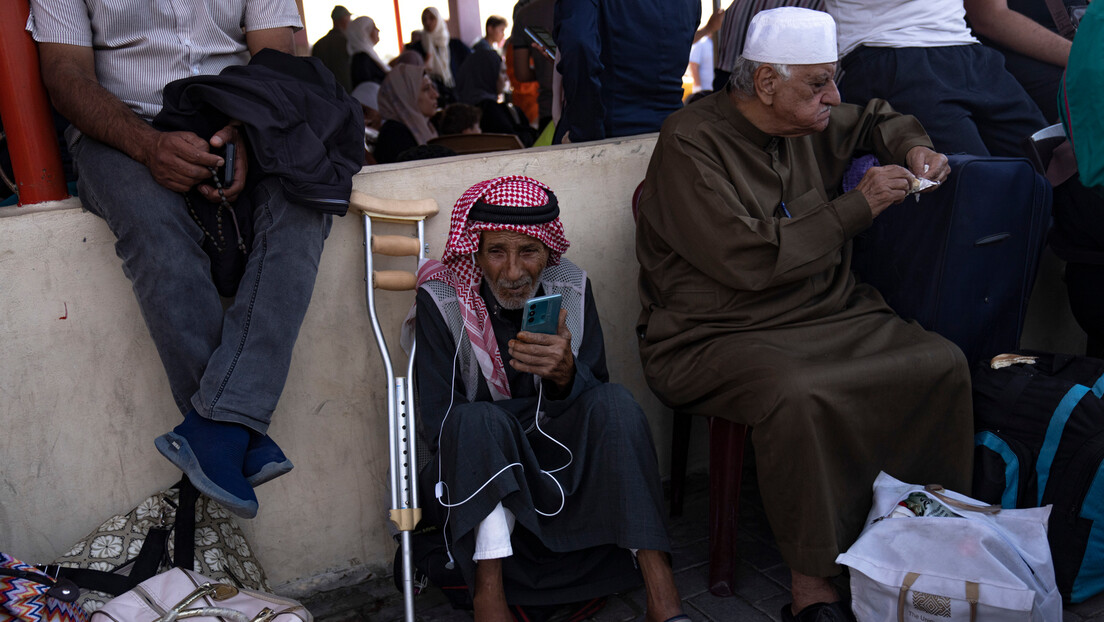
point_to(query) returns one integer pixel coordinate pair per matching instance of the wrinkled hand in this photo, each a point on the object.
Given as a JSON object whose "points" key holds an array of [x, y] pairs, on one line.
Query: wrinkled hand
{"points": [[884, 186], [924, 162], [228, 134], [178, 160], [547, 356]]}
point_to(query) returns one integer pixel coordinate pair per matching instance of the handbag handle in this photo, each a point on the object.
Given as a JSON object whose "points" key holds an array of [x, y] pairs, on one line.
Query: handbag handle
{"points": [[972, 593], [937, 491]]}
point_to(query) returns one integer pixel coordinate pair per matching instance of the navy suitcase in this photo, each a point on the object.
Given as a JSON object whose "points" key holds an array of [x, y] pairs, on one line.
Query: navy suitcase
{"points": [[962, 260]]}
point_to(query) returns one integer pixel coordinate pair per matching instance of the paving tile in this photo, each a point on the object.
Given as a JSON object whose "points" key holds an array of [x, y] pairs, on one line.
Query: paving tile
{"points": [[693, 554], [762, 581], [727, 609]]}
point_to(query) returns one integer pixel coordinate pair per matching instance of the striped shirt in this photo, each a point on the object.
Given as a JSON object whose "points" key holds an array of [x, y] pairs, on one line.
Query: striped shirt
{"points": [[737, 17], [142, 45]]}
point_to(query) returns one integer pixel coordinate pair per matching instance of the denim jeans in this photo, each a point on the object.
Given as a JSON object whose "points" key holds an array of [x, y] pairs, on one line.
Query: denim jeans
{"points": [[230, 365]]}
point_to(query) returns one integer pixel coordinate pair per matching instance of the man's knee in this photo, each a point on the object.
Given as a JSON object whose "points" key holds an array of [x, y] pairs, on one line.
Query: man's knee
{"points": [[613, 407], [479, 420]]}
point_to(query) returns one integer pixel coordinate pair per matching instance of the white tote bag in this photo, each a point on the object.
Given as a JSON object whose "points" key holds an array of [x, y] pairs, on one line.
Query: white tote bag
{"points": [[182, 594], [983, 565]]}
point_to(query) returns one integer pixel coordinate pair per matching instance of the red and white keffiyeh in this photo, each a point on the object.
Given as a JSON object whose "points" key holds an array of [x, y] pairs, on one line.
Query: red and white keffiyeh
{"points": [[458, 268]]}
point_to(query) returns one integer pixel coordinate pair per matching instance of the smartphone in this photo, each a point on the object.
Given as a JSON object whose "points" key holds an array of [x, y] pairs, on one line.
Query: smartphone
{"points": [[226, 173], [542, 314], [544, 41]]}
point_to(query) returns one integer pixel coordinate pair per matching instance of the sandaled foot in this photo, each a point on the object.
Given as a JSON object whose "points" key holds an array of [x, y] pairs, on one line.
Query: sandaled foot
{"points": [[211, 454], [264, 460]]}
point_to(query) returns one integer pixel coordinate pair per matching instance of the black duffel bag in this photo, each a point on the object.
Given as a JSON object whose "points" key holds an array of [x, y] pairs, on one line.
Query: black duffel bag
{"points": [[1040, 441]]}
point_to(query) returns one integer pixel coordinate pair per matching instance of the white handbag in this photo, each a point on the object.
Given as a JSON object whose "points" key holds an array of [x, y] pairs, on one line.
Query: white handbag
{"points": [[181, 594], [985, 564]]}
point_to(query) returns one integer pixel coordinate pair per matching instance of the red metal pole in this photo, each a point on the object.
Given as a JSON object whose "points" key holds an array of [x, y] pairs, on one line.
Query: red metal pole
{"points": [[25, 110], [398, 26]]}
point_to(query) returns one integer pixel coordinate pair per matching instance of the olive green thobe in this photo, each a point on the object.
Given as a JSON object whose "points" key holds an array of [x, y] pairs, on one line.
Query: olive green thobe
{"points": [[751, 313]]}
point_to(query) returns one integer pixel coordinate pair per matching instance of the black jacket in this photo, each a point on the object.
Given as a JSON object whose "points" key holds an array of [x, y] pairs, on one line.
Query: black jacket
{"points": [[299, 124]]}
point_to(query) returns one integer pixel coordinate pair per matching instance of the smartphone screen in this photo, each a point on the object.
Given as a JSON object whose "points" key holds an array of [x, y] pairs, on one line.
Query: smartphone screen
{"points": [[544, 41], [542, 314]]}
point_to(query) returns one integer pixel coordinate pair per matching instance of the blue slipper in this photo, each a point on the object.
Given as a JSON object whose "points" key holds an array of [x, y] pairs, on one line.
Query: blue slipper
{"points": [[211, 454], [264, 460]]}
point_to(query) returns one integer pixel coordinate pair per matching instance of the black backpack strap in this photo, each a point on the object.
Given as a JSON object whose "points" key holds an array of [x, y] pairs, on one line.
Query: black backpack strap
{"points": [[184, 534]]}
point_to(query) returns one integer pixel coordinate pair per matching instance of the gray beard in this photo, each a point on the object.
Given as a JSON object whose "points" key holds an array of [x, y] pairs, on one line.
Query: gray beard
{"points": [[512, 302]]}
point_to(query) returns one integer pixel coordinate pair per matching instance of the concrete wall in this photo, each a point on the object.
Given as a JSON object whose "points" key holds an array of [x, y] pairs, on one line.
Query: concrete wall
{"points": [[83, 394]]}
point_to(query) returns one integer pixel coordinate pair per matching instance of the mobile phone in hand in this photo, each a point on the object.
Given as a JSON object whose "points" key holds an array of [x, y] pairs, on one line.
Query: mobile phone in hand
{"points": [[542, 314], [544, 41], [226, 172]]}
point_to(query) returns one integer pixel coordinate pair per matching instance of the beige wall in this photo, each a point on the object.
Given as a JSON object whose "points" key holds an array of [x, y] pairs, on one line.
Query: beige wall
{"points": [[83, 395], [82, 398]]}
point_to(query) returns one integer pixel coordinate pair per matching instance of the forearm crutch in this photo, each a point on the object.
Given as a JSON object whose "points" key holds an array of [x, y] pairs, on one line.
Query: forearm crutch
{"points": [[401, 431]]}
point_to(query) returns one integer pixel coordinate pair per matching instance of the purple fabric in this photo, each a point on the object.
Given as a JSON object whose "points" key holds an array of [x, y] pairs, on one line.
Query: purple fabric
{"points": [[859, 166]]}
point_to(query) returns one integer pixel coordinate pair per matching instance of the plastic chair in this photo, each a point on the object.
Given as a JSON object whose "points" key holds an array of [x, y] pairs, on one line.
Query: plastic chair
{"points": [[726, 463], [402, 438]]}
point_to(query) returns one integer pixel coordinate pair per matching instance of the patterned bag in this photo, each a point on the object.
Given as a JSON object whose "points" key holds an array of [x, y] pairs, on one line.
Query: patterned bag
{"points": [[29, 595], [153, 537]]}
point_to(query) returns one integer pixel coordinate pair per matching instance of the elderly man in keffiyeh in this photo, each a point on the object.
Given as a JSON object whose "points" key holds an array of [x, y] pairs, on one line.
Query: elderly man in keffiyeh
{"points": [[544, 473]]}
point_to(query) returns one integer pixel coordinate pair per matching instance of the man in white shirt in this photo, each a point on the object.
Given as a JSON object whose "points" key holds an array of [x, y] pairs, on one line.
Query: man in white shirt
{"points": [[922, 58], [105, 64]]}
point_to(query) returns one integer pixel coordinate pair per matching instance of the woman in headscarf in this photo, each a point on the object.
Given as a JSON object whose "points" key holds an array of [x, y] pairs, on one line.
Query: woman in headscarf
{"points": [[407, 100], [362, 37], [479, 82], [443, 55]]}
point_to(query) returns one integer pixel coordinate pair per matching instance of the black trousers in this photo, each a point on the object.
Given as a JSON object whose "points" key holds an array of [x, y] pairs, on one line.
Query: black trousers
{"points": [[962, 94]]}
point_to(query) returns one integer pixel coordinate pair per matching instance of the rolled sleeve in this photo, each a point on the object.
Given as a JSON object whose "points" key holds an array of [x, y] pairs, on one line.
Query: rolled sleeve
{"points": [[265, 14], [60, 21]]}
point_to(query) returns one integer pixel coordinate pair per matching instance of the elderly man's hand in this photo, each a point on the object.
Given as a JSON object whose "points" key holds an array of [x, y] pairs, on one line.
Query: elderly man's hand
{"points": [[928, 164], [547, 356], [884, 186]]}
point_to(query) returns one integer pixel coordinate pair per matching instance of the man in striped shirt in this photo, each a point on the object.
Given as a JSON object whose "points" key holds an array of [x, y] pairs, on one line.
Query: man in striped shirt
{"points": [[105, 63]]}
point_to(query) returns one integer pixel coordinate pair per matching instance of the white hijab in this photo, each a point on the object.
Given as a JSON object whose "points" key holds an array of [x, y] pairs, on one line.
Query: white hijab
{"points": [[359, 39], [436, 45]]}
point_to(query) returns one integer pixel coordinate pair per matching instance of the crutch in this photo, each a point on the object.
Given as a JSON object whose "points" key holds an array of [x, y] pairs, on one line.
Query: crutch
{"points": [[401, 433]]}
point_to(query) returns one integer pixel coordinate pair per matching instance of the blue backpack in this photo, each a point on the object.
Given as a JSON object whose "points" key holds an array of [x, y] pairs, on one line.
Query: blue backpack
{"points": [[1040, 441]]}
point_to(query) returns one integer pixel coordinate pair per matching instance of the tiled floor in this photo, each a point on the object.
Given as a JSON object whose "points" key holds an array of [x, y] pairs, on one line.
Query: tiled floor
{"points": [[762, 582]]}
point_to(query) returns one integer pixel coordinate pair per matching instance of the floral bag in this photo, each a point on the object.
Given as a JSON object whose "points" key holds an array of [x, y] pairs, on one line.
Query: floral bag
{"points": [[173, 528]]}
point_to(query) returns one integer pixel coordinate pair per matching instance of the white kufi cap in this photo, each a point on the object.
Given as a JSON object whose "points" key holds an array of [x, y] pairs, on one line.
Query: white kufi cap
{"points": [[791, 36]]}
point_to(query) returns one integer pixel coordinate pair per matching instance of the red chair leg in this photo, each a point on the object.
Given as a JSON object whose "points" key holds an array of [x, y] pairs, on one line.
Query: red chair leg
{"points": [[726, 460], [680, 452]]}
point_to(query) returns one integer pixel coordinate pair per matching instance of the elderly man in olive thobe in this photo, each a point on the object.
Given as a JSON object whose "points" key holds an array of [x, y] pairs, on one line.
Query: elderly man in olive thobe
{"points": [[751, 313]]}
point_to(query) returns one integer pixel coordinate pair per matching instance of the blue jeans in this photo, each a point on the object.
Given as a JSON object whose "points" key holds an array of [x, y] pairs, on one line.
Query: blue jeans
{"points": [[229, 365]]}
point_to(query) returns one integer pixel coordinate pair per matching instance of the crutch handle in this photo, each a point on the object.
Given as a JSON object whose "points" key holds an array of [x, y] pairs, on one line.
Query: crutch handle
{"points": [[395, 245], [394, 280], [392, 209]]}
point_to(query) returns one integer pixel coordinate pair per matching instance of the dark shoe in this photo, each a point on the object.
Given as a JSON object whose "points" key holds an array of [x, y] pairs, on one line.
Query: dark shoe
{"points": [[820, 612], [211, 454], [264, 460]]}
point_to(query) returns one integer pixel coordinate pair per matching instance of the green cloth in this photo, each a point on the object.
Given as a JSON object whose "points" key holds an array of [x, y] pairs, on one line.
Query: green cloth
{"points": [[546, 134], [1081, 94]]}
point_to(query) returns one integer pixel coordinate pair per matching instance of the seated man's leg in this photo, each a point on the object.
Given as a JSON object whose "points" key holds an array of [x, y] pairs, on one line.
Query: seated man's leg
{"points": [[914, 81], [869, 392], [1005, 114], [245, 375], [161, 249], [616, 453]]}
